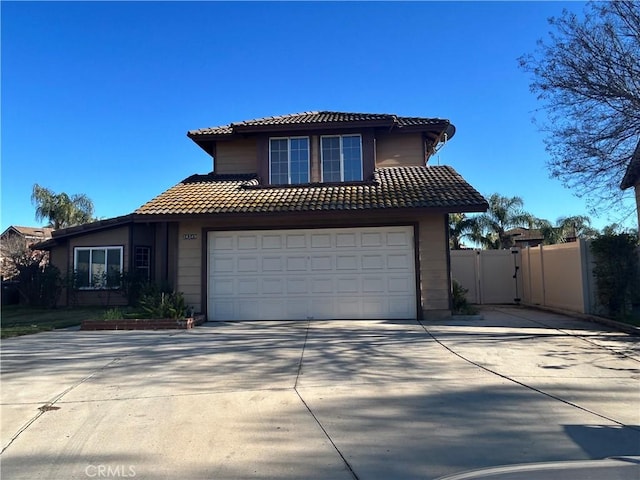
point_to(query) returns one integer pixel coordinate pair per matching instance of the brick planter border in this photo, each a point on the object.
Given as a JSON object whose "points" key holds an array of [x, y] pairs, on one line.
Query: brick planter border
{"points": [[143, 324]]}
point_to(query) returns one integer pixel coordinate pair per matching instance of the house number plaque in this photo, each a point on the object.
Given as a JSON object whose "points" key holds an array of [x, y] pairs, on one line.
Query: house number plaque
{"points": [[190, 236]]}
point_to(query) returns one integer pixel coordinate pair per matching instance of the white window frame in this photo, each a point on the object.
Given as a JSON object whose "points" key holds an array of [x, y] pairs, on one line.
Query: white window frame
{"points": [[91, 285], [342, 156], [288, 139]]}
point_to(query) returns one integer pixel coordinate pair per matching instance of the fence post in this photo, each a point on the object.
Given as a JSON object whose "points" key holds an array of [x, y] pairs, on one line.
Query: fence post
{"points": [[478, 266], [543, 286]]}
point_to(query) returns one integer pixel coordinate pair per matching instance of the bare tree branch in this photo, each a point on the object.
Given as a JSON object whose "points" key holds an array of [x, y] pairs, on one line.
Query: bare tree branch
{"points": [[587, 76]]}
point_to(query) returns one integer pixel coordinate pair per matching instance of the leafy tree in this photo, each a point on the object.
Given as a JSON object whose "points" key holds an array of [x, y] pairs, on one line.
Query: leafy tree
{"points": [[616, 270], [60, 209], [17, 254], [504, 213], [587, 76]]}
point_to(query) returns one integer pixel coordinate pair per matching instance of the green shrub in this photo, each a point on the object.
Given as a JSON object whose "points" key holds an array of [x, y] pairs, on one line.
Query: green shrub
{"points": [[460, 305], [39, 286], [616, 271], [157, 303]]}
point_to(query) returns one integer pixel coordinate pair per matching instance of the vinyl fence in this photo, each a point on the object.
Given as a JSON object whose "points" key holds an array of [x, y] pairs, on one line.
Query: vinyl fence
{"points": [[558, 276]]}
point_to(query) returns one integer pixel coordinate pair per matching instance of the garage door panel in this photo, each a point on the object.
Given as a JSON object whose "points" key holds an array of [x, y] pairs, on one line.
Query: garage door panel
{"points": [[247, 242], [223, 309], [372, 262], [297, 308], [346, 240], [346, 285], [223, 265], [296, 241], [271, 242], [347, 262], [321, 263], [398, 239], [312, 273], [373, 285], [349, 308], [272, 286], [224, 242], [399, 305], [321, 240], [248, 286], [247, 309], [373, 239], [398, 261], [297, 264], [248, 265], [321, 285], [223, 287], [297, 286], [272, 264]]}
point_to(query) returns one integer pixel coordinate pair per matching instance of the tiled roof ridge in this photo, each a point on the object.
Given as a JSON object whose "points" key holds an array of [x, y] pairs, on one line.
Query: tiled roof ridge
{"points": [[372, 182], [318, 117], [390, 187], [220, 177]]}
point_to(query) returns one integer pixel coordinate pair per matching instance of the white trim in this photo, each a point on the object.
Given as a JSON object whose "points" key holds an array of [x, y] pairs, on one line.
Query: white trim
{"points": [[288, 139], [90, 249], [341, 137]]}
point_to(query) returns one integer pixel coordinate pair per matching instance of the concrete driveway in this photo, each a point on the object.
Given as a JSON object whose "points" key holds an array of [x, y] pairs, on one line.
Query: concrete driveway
{"points": [[320, 400]]}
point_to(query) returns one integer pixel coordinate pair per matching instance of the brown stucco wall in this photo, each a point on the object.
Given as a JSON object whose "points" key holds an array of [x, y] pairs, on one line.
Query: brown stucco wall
{"points": [[62, 257], [239, 156], [399, 150], [435, 285]]}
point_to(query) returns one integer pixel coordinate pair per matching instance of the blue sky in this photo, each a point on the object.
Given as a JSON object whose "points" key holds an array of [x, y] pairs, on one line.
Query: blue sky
{"points": [[97, 97]]}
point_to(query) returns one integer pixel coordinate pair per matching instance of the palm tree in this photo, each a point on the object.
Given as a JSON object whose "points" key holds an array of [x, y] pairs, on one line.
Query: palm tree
{"points": [[566, 228], [504, 213], [60, 209], [460, 227]]}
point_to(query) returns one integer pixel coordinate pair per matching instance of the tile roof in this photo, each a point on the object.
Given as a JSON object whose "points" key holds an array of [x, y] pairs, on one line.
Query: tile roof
{"points": [[437, 187], [31, 232], [320, 119]]}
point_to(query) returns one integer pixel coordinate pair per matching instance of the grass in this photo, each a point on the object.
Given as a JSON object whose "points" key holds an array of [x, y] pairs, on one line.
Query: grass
{"points": [[20, 320]]}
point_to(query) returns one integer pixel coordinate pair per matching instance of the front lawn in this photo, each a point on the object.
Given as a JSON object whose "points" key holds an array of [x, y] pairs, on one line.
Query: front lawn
{"points": [[20, 320]]}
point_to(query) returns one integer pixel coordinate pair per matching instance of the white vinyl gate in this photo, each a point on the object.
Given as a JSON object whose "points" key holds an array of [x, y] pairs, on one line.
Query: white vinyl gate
{"points": [[488, 275], [339, 273]]}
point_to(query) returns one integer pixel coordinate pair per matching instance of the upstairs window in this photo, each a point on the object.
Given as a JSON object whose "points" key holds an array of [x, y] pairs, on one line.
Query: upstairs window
{"points": [[289, 160], [341, 158], [97, 267]]}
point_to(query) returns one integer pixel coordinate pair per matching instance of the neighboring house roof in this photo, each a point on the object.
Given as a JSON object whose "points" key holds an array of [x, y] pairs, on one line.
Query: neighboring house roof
{"points": [[437, 187], [310, 120], [29, 233], [632, 175], [522, 234], [84, 228]]}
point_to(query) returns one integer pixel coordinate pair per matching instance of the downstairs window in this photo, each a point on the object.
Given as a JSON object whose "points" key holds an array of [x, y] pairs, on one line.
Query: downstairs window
{"points": [[97, 267]]}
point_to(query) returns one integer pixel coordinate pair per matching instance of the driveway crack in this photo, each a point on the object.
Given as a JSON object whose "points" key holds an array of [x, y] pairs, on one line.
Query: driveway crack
{"points": [[517, 382], [313, 415], [49, 406]]}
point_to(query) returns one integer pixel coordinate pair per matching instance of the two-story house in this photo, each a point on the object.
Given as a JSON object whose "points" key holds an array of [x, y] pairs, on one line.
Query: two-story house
{"points": [[323, 215]]}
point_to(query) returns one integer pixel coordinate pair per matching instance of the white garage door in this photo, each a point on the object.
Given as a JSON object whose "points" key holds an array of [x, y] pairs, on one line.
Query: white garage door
{"points": [[340, 273]]}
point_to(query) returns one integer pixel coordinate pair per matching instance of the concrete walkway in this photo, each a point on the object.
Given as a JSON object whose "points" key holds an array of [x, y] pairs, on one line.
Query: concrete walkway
{"points": [[321, 400]]}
